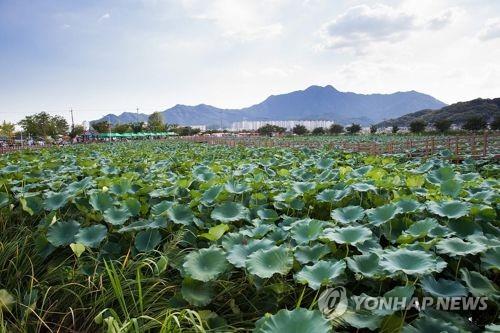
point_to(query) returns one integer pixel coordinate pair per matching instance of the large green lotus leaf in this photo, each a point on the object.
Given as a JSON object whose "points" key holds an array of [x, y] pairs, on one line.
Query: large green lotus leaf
{"points": [[215, 232], [211, 194], [427, 324], [408, 205], [101, 201], [348, 235], [380, 215], [32, 204], [161, 207], [478, 284], [422, 228], [365, 264], [147, 240], [62, 233], [441, 175], [123, 186], [133, 206], [232, 239], [484, 196], [348, 214], [440, 231], [303, 187], [363, 187], [451, 187], [306, 254], [325, 163], [180, 214], [491, 259], [457, 247], [54, 201], [205, 264], [400, 293], [411, 262], [79, 186], [322, 273], [269, 215], [116, 216], [362, 320], [237, 188], [451, 209], [333, 196], [266, 262], [4, 199], [203, 173], [483, 212], [492, 328], [442, 287], [298, 320], [229, 212], [197, 293], [307, 230], [360, 172], [91, 236], [238, 253]]}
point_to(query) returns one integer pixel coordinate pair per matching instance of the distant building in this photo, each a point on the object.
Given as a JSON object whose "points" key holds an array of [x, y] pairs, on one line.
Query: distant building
{"points": [[247, 125], [202, 128]]}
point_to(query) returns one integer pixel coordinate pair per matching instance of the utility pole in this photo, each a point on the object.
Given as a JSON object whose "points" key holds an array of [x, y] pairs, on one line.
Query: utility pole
{"points": [[137, 115], [72, 121]]}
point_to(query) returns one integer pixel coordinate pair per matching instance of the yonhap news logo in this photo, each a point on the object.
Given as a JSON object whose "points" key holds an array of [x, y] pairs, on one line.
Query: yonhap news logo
{"points": [[333, 302]]}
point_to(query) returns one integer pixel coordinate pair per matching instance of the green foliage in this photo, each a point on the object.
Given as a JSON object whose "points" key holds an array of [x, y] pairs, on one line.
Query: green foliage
{"points": [[443, 125], [417, 126], [373, 129], [43, 125], [7, 129], [475, 123], [155, 122], [354, 128], [299, 130], [318, 131], [268, 130], [171, 237], [101, 127], [336, 129], [77, 131]]}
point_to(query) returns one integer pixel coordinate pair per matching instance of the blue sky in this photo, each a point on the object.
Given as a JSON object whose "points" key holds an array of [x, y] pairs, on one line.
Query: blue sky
{"points": [[99, 57]]}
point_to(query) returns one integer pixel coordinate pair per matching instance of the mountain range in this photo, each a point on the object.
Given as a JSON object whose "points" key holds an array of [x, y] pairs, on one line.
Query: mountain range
{"points": [[457, 113], [313, 103]]}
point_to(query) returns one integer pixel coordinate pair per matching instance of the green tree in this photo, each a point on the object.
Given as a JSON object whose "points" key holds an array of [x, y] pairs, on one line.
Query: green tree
{"points": [[186, 130], [373, 129], [101, 127], [270, 129], [299, 129], [76, 131], [443, 125], [475, 123], [336, 129], [417, 126], [354, 128], [7, 129], [395, 129], [44, 125], [495, 124], [137, 127], [155, 122], [122, 128], [318, 131]]}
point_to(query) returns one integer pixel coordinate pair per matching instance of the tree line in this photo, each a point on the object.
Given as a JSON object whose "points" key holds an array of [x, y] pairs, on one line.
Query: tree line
{"points": [[416, 126]]}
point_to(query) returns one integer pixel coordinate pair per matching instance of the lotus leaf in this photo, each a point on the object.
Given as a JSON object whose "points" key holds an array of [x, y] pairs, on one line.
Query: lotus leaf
{"points": [[147, 240], [205, 264], [380, 215], [450, 209], [180, 214], [91, 236], [411, 262], [306, 254], [230, 212], [442, 287], [295, 321], [348, 214], [322, 273], [457, 247], [348, 235], [196, 292], [266, 262], [62, 233]]}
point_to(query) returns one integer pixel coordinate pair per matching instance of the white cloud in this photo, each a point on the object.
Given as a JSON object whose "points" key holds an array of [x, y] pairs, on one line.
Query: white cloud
{"points": [[240, 20], [490, 30], [104, 17], [362, 25], [445, 18]]}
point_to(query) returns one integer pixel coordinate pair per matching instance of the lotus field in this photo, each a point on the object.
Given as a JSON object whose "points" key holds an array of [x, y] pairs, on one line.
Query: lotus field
{"points": [[186, 237]]}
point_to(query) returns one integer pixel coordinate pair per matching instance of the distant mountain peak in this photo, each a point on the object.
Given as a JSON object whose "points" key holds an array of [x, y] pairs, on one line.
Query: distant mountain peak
{"points": [[313, 103]]}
